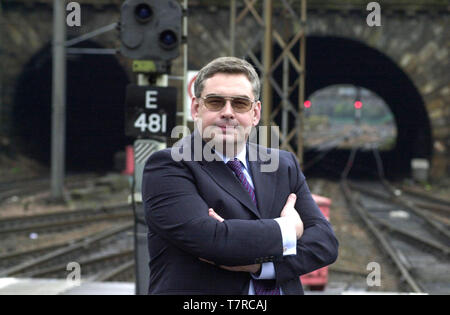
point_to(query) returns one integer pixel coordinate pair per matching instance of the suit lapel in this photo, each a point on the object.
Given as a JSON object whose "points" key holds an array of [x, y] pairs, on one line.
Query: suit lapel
{"points": [[265, 184], [225, 178], [219, 172]]}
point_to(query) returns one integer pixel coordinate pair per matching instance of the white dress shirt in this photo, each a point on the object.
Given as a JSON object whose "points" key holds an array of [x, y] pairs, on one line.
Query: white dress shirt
{"points": [[287, 228]]}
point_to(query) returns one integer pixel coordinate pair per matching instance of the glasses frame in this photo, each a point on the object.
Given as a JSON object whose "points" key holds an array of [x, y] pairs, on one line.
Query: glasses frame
{"points": [[228, 98]]}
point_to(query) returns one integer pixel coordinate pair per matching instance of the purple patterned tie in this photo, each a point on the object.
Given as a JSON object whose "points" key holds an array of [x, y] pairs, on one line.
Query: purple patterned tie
{"points": [[262, 287]]}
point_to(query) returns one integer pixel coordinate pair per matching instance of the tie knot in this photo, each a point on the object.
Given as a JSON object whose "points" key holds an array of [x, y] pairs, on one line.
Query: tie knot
{"points": [[235, 165]]}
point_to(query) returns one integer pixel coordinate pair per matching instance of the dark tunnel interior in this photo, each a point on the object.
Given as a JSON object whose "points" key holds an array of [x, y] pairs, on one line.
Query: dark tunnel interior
{"points": [[332, 60], [95, 96]]}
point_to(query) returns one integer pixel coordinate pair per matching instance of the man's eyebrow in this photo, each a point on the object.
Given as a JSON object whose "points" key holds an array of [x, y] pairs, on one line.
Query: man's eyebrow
{"points": [[213, 94]]}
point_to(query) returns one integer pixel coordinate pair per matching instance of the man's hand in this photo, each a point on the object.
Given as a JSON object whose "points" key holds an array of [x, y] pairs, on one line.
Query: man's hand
{"points": [[247, 268], [214, 215], [290, 212]]}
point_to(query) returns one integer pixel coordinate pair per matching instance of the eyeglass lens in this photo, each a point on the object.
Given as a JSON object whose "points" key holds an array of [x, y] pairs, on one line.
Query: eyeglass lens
{"points": [[239, 104]]}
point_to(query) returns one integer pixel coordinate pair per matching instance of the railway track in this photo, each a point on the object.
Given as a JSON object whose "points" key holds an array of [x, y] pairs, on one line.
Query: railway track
{"points": [[55, 221], [329, 143], [415, 241], [103, 267], [342, 138], [97, 254], [21, 188], [100, 239]]}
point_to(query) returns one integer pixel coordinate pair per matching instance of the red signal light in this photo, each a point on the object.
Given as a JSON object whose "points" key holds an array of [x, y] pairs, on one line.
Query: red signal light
{"points": [[307, 104], [358, 104]]}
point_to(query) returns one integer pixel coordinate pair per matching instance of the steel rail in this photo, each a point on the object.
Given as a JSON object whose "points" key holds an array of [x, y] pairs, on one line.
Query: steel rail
{"points": [[381, 238], [109, 275], [441, 248], [394, 199], [85, 264], [442, 230], [426, 196], [37, 184], [362, 214], [80, 245], [62, 218]]}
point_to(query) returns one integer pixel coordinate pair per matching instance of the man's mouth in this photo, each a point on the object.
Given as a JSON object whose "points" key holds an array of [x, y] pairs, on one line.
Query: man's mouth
{"points": [[226, 128]]}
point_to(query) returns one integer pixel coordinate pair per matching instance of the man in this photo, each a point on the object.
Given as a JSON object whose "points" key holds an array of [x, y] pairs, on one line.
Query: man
{"points": [[218, 223]]}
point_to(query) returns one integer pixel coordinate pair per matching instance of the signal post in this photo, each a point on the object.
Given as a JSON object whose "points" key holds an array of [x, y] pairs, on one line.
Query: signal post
{"points": [[150, 34]]}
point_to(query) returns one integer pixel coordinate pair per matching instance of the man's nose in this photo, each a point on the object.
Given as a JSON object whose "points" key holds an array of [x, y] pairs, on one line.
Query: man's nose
{"points": [[227, 110]]}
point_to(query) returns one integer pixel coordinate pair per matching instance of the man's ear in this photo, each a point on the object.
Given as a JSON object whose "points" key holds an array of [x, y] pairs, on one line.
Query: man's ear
{"points": [[195, 107], [256, 114]]}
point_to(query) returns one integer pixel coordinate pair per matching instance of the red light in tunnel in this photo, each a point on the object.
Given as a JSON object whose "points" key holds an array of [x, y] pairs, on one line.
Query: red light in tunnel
{"points": [[358, 104], [307, 104]]}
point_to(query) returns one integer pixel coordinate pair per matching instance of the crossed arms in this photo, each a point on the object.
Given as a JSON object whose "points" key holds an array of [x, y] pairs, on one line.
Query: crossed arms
{"points": [[176, 211]]}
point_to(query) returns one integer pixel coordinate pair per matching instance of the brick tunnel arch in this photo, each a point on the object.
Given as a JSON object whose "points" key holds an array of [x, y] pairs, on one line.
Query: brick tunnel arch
{"points": [[95, 98], [335, 60]]}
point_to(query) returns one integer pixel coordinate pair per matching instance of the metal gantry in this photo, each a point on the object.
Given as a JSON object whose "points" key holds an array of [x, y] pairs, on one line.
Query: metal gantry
{"points": [[262, 13]]}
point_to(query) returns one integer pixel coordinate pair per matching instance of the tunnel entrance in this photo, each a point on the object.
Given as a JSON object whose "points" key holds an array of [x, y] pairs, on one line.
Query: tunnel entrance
{"points": [[344, 117], [95, 97], [339, 61]]}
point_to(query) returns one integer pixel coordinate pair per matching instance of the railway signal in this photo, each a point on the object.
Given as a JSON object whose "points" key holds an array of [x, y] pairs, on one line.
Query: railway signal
{"points": [[358, 105], [358, 112], [151, 34], [307, 105], [151, 29]]}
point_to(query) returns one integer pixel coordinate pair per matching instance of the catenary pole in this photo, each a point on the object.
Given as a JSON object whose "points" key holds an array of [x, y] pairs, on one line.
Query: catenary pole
{"points": [[58, 101], [267, 62]]}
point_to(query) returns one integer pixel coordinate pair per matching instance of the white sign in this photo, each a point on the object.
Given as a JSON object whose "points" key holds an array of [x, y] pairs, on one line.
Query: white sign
{"points": [[151, 97], [153, 122]]}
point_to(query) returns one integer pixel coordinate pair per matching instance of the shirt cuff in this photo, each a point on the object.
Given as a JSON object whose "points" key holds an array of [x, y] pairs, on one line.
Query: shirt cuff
{"points": [[288, 235], [267, 272]]}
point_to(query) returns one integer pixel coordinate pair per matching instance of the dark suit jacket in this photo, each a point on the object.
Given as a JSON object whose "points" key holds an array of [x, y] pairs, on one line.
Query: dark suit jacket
{"points": [[177, 196]]}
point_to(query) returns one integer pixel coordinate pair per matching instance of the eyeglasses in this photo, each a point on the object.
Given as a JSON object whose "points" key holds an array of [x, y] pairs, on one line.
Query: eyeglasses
{"points": [[217, 102]]}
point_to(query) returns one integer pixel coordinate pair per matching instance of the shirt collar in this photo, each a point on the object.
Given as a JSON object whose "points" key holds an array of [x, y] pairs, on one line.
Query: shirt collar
{"points": [[241, 156]]}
